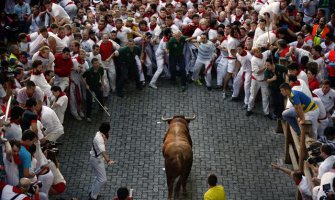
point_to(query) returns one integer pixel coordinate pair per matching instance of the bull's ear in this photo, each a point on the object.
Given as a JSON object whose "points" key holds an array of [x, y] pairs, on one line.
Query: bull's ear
{"points": [[169, 121]]}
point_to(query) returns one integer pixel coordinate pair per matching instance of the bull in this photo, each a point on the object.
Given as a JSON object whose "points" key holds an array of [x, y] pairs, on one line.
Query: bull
{"points": [[177, 152]]}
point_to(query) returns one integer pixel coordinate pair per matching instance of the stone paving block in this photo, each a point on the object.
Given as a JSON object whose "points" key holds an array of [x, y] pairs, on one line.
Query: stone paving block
{"points": [[237, 148]]}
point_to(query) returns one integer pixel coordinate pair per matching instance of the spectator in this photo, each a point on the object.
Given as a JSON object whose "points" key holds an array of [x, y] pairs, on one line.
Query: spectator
{"points": [[123, 194], [215, 192]]}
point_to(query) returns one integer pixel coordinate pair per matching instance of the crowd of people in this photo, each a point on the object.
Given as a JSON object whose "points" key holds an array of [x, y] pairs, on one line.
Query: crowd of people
{"points": [[59, 53]]}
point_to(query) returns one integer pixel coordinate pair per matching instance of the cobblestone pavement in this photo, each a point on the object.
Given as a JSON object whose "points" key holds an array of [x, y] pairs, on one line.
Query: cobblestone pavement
{"points": [[226, 142]]}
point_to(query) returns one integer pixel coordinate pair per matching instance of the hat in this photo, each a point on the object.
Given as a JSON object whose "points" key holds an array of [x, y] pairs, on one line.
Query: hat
{"points": [[293, 66], [96, 1]]}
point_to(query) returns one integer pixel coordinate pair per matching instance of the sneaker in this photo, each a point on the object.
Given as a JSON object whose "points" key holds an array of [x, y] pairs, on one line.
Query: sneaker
{"points": [[77, 117], [245, 106], [81, 114], [88, 119], [218, 87], [235, 99], [183, 88], [198, 82], [269, 116], [209, 88], [248, 113], [224, 95], [153, 86]]}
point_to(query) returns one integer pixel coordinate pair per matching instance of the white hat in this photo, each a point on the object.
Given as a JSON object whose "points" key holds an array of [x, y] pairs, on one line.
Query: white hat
{"points": [[96, 1]]}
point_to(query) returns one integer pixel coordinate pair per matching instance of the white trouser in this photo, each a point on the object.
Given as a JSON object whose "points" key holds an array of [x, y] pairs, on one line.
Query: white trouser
{"points": [[111, 73], [246, 75], [313, 116], [149, 60], [322, 125], [193, 52], [98, 166], [62, 82], [208, 71], [106, 88], [54, 135], [47, 180], [160, 67], [221, 70], [73, 99], [255, 86], [139, 67]]}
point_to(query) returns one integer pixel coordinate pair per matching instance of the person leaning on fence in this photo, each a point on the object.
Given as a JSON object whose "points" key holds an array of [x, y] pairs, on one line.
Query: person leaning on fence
{"points": [[326, 165], [329, 138], [300, 181], [326, 185], [304, 108]]}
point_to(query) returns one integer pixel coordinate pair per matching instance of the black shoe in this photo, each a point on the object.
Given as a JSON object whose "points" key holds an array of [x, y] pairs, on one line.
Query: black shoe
{"points": [[218, 87], [269, 116], [235, 99], [120, 95], [183, 88], [209, 88], [248, 113]]}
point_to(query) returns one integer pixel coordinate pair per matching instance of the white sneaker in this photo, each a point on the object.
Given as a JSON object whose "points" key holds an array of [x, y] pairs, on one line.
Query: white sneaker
{"points": [[224, 95], [152, 86], [81, 114], [77, 117]]}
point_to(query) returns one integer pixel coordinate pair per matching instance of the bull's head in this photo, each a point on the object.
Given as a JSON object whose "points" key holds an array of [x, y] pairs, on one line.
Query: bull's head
{"points": [[188, 119]]}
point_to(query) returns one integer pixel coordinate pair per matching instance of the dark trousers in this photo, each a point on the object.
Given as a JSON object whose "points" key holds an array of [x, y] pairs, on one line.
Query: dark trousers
{"points": [[278, 102], [180, 61], [122, 72], [98, 93]]}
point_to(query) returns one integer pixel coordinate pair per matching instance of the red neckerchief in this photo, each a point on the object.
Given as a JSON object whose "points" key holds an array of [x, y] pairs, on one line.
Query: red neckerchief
{"points": [[152, 27], [28, 38], [101, 29], [60, 95], [244, 53], [202, 12], [237, 18], [69, 34], [162, 18], [260, 57], [17, 159], [221, 21], [61, 37], [145, 30], [297, 182], [297, 83], [118, 29], [194, 1], [179, 18], [124, 2], [17, 190], [316, 57], [299, 45], [14, 122], [34, 73], [74, 53], [166, 38], [80, 61]]}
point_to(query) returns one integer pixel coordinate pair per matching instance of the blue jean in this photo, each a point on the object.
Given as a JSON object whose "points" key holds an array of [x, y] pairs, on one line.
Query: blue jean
{"points": [[290, 115]]}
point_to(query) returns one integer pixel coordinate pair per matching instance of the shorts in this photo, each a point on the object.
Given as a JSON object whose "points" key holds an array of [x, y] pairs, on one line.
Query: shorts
{"points": [[231, 66]]}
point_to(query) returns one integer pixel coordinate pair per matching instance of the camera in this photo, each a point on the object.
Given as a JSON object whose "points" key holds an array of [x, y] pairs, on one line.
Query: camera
{"points": [[33, 187], [51, 147], [314, 160]]}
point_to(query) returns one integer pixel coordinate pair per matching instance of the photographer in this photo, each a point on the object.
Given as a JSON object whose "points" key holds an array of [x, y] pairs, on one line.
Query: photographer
{"points": [[25, 190], [329, 138], [326, 188]]}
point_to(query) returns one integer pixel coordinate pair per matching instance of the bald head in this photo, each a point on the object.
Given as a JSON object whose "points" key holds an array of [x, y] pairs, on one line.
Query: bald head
{"points": [[24, 183]]}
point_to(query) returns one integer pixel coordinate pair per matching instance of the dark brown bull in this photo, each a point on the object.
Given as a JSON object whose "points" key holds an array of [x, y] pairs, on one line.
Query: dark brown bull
{"points": [[177, 151]]}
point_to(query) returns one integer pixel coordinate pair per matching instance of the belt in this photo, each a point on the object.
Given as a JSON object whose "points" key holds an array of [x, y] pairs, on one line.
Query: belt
{"points": [[323, 118], [230, 58], [71, 2], [253, 78]]}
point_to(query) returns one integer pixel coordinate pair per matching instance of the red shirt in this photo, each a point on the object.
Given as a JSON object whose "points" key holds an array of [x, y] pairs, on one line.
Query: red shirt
{"points": [[62, 67], [106, 50], [313, 84]]}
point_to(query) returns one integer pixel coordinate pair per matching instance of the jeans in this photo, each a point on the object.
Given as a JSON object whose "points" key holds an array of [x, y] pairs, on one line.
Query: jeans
{"points": [[180, 61], [98, 93]]}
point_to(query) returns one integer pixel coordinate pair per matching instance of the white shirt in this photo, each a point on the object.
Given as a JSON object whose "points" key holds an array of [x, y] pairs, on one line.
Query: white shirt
{"points": [[263, 40], [50, 121], [303, 76], [323, 113], [327, 178], [273, 9], [58, 11], [61, 108], [232, 44], [328, 99], [13, 132], [257, 63], [22, 96], [87, 45], [258, 32], [245, 61], [325, 166], [91, 56], [123, 35], [304, 188], [45, 61], [98, 144], [41, 82]]}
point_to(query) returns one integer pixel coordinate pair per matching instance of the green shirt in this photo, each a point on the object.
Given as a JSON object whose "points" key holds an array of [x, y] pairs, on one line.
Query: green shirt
{"points": [[93, 78], [280, 70], [176, 48], [126, 56]]}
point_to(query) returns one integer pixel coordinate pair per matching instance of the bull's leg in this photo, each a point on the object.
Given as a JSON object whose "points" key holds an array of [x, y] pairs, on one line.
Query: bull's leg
{"points": [[177, 188], [185, 175], [170, 181]]}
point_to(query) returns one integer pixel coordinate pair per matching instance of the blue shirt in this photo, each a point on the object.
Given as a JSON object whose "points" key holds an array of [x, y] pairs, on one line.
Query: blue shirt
{"points": [[25, 158], [20, 10], [306, 103]]}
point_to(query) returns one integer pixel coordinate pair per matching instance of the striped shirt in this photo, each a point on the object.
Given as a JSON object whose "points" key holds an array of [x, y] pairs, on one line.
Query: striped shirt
{"points": [[206, 51]]}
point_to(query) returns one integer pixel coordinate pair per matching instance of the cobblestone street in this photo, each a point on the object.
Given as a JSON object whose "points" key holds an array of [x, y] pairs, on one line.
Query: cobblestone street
{"points": [[237, 148]]}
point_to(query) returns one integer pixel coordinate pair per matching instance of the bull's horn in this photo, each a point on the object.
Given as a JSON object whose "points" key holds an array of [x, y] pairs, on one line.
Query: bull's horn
{"points": [[191, 118], [165, 119]]}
